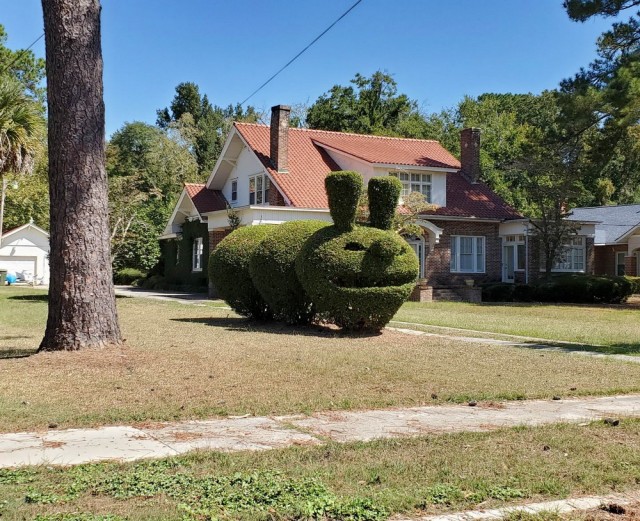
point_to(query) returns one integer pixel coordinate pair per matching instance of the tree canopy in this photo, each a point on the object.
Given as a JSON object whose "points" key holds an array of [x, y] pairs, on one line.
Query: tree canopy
{"points": [[207, 124], [371, 106]]}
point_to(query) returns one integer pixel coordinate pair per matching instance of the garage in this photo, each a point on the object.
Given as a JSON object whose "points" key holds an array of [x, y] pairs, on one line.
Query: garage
{"points": [[26, 249]]}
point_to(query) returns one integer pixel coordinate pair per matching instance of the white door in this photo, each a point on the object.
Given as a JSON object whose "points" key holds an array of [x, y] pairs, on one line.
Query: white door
{"points": [[508, 263], [418, 248]]}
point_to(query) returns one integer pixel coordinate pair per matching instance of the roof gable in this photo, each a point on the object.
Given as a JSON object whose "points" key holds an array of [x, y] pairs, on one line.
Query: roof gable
{"points": [[615, 223], [204, 199], [23, 228]]}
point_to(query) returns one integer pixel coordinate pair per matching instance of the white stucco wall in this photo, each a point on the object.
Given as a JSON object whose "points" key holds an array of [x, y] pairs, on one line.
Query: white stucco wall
{"points": [[252, 215], [246, 166]]}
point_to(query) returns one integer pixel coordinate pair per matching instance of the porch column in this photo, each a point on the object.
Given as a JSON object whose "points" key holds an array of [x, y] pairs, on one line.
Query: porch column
{"points": [[630, 265]]}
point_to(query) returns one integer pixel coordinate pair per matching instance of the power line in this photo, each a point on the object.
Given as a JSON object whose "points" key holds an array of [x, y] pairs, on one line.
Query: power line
{"points": [[20, 53], [301, 52]]}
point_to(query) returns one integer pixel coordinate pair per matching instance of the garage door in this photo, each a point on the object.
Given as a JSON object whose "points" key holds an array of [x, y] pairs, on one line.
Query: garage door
{"points": [[18, 264]]}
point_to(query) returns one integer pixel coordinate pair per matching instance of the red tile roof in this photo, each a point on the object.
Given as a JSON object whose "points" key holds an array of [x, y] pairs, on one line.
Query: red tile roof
{"points": [[309, 163], [205, 200], [389, 150], [466, 199]]}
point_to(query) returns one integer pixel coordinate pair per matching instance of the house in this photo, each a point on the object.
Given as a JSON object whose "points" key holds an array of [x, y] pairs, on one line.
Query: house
{"points": [[617, 237], [270, 174], [25, 250]]}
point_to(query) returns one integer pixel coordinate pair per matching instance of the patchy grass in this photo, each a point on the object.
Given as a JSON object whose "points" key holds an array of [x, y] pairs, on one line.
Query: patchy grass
{"points": [[358, 481], [183, 362], [615, 327]]}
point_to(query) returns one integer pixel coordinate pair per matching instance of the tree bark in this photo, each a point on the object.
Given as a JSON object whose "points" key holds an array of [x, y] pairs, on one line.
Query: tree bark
{"points": [[82, 307]]}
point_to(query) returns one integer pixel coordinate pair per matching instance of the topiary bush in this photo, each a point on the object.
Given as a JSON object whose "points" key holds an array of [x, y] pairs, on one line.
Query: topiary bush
{"points": [[384, 193], [272, 270], [343, 191], [229, 271], [357, 279]]}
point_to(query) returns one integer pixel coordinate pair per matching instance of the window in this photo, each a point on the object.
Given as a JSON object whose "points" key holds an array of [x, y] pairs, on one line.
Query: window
{"points": [[467, 254], [420, 183], [234, 190], [620, 262], [196, 263], [259, 186], [572, 257]]}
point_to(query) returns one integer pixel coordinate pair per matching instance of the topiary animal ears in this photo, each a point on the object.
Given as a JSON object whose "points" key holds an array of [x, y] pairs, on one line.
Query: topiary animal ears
{"points": [[384, 194], [343, 190]]}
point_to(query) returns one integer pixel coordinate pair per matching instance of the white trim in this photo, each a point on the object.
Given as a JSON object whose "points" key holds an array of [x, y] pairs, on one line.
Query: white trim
{"points": [[23, 227], [233, 132], [168, 229], [628, 234]]}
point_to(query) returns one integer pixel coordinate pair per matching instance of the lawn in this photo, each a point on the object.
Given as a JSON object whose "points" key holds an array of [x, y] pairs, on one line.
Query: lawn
{"points": [[358, 481], [616, 327], [181, 361]]}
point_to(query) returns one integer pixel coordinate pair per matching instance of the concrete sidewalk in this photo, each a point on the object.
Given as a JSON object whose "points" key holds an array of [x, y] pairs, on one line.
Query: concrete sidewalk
{"points": [[129, 443]]}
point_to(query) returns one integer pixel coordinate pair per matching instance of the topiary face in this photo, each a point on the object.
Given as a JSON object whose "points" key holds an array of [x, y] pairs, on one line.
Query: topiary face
{"points": [[357, 279]]}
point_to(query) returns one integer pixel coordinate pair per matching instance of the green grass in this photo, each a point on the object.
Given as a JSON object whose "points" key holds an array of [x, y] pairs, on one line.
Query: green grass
{"points": [[358, 481], [188, 362], [615, 327]]}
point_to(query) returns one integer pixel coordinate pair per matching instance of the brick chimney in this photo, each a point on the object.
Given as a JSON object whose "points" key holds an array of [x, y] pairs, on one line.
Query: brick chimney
{"points": [[470, 153], [279, 149]]}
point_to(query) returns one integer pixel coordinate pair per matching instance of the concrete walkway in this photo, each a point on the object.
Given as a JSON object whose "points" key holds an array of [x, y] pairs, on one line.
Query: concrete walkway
{"points": [[129, 443], [562, 506], [170, 296]]}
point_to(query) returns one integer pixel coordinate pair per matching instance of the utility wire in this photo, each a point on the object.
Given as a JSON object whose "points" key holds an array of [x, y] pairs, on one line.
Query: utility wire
{"points": [[301, 52], [20, 53]]}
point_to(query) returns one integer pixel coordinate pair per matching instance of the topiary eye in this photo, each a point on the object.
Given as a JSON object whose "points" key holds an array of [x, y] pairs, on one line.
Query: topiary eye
{"points": [[354, 246]]}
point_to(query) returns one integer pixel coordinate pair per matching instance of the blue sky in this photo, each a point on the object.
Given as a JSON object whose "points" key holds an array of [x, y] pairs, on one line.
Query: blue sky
{"points": [[437, 50]]}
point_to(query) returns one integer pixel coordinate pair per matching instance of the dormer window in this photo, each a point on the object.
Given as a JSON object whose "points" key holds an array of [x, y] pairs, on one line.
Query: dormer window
{"points": [[420, 183], [259, 186]]}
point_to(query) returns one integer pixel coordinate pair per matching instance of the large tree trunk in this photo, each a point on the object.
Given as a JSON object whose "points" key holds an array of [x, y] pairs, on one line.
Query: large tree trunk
{"points": [[82, 307]]}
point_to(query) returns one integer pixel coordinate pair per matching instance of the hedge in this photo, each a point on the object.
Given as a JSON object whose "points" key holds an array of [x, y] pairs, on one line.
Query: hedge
{"points": [[229, 271], [575, 289], [384, 193], [272, 270], [128, 276], [357, 279], [635, 284], [343, 191]]}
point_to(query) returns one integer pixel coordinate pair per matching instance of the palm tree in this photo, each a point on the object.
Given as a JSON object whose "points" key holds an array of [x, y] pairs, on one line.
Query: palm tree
{"points": [[21, 128]]}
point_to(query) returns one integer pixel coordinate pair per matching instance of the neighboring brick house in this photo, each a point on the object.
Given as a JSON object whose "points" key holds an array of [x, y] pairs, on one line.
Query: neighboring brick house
{"points": [[273, 174], [617, 237]]}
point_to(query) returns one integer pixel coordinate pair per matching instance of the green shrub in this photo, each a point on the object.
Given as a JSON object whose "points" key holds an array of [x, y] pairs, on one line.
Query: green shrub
{"points": [[499, 292], [229, 271], [635, 284], [571, 289], [343, 191], [384, 193], [357, 279], [128, 276], [272, 269]]}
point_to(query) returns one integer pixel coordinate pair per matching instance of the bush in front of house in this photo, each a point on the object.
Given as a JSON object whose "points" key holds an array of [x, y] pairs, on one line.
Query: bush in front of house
{"points": [[357, 279], [570, 289], [229, 271], [272, 270], [498, 292], [635, 284], [357, 276], [127, 276]]}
